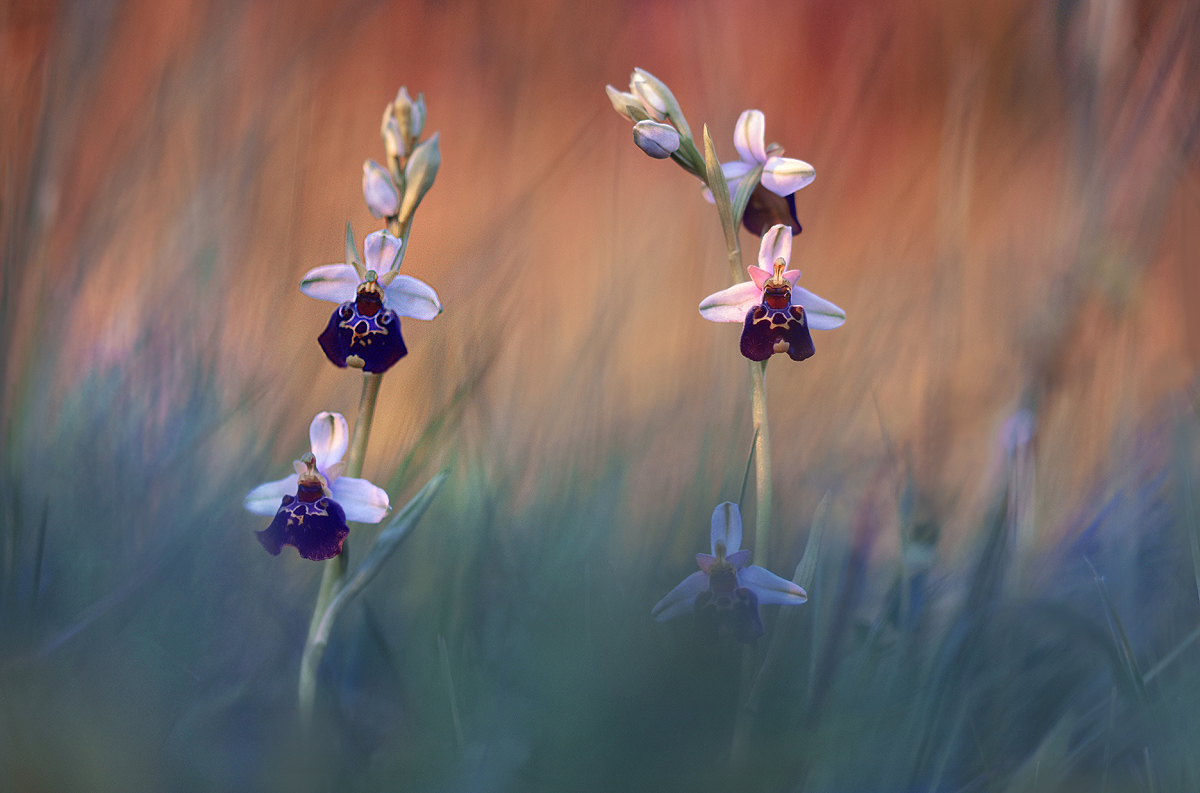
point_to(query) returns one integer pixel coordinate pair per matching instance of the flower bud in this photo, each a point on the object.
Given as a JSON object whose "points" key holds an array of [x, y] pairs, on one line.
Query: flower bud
{"points": [[626, 104], [410, 116], [658, 100], [393, 141], [419, 174], [660, 141], [378, 190]]}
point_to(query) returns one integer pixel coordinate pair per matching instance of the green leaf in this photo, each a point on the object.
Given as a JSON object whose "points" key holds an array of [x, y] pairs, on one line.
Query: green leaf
{"points": [[388, 540], [806, 570], [720, 191], [742, 196]]}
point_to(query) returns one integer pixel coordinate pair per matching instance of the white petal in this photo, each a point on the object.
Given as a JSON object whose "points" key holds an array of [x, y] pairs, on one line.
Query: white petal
{"points": [[822, 315], [378, 190], [784, 176], [681, 599], [731, 305], [770, 588], [265, 499], [363, 501], [660, 141], [329, 435], [380, 250], [336, 283], [410, 297], [726, 527], [748, 136], [776, 244]]}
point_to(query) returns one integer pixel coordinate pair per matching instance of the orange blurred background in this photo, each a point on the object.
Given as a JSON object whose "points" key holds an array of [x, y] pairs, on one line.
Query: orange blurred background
{"points": [[1005, 205]]}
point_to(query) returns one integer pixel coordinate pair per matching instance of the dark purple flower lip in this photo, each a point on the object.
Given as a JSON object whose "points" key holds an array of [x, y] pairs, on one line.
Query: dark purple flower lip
{"points": [[775, 325], [765, 209], [364, 330], [733, 613], [310, 521]]}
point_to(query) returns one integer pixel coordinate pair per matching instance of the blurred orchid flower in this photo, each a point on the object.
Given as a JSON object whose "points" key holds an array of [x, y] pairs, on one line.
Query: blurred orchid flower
{"points": [[364, 330], [311, 506], [773, 198], [776, 314], [725, 593]]}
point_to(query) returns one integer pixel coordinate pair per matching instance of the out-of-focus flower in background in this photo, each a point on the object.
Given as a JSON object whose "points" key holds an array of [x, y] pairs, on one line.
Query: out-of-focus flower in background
{"points": [[776, 314], [778, 177], [726, 591], [365, 328], [311, 506]]}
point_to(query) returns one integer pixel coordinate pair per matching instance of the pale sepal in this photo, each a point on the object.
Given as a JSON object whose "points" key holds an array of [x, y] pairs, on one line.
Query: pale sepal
{"points": [[682, 598], [410, 297], [731, 305], [362, 501], [336, 283], [726, 527], [266, 498], [821, 314], [748, 136], [771, 588], [381, 251], [784, 176], [776, 244], [328, 435]]}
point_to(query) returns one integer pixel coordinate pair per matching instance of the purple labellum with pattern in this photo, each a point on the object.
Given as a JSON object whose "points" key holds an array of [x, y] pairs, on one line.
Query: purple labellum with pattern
{"points": [[310, 521], [725, 592], [363, 328], [775, 313], [775, 325]]}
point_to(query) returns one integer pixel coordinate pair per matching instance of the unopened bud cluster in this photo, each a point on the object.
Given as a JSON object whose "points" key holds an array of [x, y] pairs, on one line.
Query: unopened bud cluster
{"points": [[394, 191]]}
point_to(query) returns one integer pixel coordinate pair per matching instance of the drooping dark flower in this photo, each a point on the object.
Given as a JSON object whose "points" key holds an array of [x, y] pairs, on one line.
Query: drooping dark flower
{"points": [[726, 592], [364, 330], [776, 315], [311, 506], [773, 200]]}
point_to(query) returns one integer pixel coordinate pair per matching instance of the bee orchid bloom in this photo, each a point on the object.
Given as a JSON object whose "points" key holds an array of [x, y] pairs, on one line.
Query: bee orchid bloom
{"points": [[364, 330], [311, 506], [725, 592], [776, 315], [773, 200]]}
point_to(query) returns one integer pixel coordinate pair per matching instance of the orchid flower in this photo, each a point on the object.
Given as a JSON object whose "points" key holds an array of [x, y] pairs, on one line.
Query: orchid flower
{"points": [[364, 330], [773, 200], [776, 314], [725, 592], [311, 506]]}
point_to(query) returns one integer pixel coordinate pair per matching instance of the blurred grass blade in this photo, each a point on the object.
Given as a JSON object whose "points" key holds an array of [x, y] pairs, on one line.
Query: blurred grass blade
{"points": [[746, 475], [806, 570], [1049, 764], [1120, 638]]}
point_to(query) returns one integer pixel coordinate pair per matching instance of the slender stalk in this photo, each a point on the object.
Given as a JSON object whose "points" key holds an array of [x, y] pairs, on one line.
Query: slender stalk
{"points": [[762, 462], [334, 574]]}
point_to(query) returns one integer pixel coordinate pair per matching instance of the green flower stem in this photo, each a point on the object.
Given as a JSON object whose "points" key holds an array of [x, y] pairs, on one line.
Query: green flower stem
{"points": [[334, 574], [762, 462], [730, 221]]}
